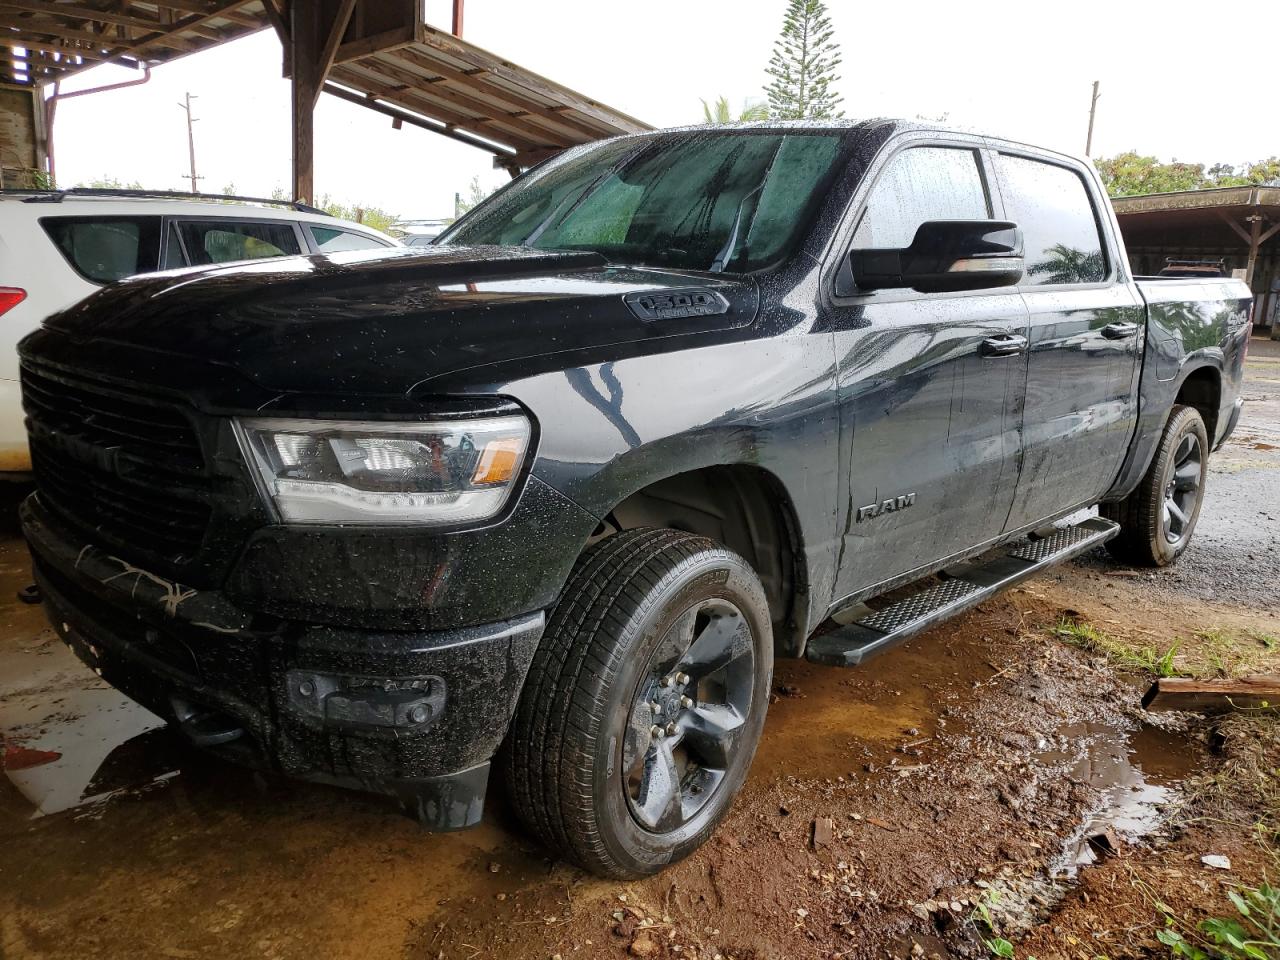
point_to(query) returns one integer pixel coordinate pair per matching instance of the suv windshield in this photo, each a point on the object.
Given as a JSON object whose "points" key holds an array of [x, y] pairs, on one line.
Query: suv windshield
{"points": [[701, 201]]}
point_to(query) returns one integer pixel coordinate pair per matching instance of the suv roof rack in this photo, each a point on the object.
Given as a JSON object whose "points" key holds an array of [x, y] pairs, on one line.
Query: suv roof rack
{"points": [[57, 196]]}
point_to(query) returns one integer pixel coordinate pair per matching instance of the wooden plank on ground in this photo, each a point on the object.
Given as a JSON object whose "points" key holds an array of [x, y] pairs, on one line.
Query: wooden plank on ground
{"points": [[1213, 696]]}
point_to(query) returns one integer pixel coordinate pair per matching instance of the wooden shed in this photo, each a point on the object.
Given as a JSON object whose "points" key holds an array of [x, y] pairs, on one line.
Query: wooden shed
{"points": [[1238, 225]]}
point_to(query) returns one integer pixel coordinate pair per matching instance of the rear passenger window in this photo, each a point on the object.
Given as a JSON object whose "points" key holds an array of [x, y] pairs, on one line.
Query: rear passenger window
{"points": [[922, 183], [221, 241], [1060, 237], [106, 249], [330, 240]]}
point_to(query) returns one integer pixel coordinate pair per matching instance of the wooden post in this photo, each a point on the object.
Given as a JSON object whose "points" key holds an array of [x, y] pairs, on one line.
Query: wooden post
{"points": [[457, 18], [304, 56], [315, 33], [1255, 241]]}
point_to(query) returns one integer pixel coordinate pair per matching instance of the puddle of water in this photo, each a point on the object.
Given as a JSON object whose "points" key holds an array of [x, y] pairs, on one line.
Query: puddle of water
{"points": [[1137, 775]]}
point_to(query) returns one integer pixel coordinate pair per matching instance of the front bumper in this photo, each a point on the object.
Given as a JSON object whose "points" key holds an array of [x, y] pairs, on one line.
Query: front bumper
{"points": [[413, 714]]}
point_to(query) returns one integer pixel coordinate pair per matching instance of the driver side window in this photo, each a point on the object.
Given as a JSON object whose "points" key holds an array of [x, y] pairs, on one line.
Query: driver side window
{"points": [[919, 184]]}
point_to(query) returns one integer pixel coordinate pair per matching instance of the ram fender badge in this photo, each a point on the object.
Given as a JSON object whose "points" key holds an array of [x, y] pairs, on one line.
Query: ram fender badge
{"points": [[892, 505], [677, 304]]}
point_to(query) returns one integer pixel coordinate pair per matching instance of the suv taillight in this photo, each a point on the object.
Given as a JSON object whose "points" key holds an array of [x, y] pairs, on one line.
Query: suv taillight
{"points": [[10, 297]]}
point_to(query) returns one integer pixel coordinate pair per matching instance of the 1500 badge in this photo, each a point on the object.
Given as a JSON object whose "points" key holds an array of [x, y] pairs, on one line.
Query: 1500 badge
{"points": [[892, 505], [677, 304]]}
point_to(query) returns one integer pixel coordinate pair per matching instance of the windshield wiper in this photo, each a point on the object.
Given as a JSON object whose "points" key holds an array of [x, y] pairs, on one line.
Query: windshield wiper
{"points": [[726, 252]]}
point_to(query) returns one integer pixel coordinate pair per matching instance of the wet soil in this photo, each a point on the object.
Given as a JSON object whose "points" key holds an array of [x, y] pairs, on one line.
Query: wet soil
{"points": [[984, 755]]}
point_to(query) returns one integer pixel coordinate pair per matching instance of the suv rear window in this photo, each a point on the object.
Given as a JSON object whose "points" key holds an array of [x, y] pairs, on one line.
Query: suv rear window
{"points": [[106, 249], [222, 241]]}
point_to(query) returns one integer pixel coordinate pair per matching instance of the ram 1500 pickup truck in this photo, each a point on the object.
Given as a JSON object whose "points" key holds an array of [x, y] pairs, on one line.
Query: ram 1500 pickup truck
{"points": [[553, 494]]}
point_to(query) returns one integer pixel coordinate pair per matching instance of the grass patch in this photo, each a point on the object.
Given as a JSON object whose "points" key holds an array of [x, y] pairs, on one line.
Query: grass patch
{"points": [[1217, 652], [1121, 652]]}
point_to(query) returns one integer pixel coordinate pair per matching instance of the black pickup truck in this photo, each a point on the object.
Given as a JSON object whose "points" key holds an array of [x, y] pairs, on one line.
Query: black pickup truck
{"points": [[553, 494]]}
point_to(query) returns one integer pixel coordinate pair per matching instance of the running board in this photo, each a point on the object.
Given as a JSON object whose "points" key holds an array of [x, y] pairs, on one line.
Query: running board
{"points": [[964, 586]]}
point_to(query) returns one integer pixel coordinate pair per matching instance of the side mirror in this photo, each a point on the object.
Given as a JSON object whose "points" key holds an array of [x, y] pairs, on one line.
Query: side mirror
{"points": [[945, 255]]}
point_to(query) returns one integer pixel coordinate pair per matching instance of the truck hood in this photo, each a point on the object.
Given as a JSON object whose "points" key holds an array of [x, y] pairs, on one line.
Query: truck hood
{"points": [[394, 322]]}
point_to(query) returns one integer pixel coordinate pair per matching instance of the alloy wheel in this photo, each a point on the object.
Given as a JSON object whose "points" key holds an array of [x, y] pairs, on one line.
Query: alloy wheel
{"points": [[683, 729]]}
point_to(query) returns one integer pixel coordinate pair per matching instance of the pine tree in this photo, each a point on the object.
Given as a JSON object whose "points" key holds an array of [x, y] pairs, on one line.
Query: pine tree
{"points": [[803, 65]]}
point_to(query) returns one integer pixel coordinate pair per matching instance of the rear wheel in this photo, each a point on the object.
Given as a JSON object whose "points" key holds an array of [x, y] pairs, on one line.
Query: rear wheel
{"points": [[1158, 518], [644, 704]]}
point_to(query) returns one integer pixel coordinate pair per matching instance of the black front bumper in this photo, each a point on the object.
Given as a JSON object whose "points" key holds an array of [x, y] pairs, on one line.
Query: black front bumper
{"points": [[417, 715]]}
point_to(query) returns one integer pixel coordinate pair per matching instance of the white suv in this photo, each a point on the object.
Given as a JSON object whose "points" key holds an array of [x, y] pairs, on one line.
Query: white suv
{"points": [[57, 247]]}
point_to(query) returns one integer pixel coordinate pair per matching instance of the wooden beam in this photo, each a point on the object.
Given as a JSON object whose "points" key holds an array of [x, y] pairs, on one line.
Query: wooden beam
{"points": [[1269, 234], [479, 112], [92, 15], [196, 6], [420, 122], [52, 49], [1213, 696], [1244, 234], [341, 18], [387, 40], [278, 21], [475, 80], [351, 74], [611, 121]]}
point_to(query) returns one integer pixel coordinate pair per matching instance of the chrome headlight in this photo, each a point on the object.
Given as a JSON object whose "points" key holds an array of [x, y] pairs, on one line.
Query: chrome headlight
{"points": [[346, 471]]}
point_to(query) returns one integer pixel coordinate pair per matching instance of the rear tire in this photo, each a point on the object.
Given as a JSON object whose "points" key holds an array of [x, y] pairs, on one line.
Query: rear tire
{"points": [[1159, 517], [644, 704]]}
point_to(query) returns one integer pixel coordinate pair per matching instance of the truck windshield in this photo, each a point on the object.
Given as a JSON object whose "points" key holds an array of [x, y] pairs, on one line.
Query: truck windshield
{"points": [[706, 201]]}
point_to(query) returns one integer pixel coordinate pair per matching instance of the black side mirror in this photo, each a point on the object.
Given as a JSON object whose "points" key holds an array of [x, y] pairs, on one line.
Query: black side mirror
{"points": [[945, 255]]}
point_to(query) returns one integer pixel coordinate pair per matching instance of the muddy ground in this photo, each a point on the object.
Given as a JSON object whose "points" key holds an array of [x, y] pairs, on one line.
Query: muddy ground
{"points": [[969, 767]]}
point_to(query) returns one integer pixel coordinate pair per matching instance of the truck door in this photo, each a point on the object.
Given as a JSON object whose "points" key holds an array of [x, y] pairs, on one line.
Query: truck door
{"points": [[930, 384], [1086, 326]]}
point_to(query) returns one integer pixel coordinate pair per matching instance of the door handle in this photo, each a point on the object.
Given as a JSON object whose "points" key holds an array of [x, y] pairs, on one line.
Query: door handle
{"points": [[1119, 331], [1004, 345]]}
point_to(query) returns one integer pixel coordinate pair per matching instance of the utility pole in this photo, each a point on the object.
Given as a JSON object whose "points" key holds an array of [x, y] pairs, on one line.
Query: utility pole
{"points": [[191, 142], [1093, 109]]}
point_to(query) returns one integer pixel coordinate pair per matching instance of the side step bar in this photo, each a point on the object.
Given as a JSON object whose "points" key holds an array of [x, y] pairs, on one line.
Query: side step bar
{"points": [[965, 586]]}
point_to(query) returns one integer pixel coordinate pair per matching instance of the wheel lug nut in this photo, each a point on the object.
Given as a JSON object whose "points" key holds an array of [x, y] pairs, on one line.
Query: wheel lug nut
{"points": [[655, 706], [682, 678], [686, 702], [672, 728], [655, 731], [666, 681]]}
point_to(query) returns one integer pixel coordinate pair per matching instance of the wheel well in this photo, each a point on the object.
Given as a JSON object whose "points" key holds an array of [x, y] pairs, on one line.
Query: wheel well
{"points": [[1203, 390], [742, 507]]}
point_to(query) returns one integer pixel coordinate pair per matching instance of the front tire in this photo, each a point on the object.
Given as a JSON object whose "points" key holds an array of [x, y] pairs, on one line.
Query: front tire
{"points": [[644, 704], [1159, 517]]}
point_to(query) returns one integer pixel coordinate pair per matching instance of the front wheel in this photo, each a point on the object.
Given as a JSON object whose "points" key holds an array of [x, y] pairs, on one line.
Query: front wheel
{"points": [[644, 704], [1158, 518]]}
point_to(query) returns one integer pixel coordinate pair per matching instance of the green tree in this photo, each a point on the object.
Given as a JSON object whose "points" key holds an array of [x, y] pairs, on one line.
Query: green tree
{"points": [[475, 192], [111, 183], [1130, 174], [374, 217], [803, 65], [721, 112]]}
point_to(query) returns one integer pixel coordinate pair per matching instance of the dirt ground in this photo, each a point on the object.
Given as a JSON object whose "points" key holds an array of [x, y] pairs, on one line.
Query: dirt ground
{"points": [[888, 810]]}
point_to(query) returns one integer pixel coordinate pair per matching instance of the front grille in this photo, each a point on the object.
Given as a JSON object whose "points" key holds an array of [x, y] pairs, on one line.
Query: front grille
{"points": [[107, 417], [125, 468]]}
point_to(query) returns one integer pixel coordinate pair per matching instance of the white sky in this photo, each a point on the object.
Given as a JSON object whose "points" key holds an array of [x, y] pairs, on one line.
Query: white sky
{"points": [[1179, 80]]}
